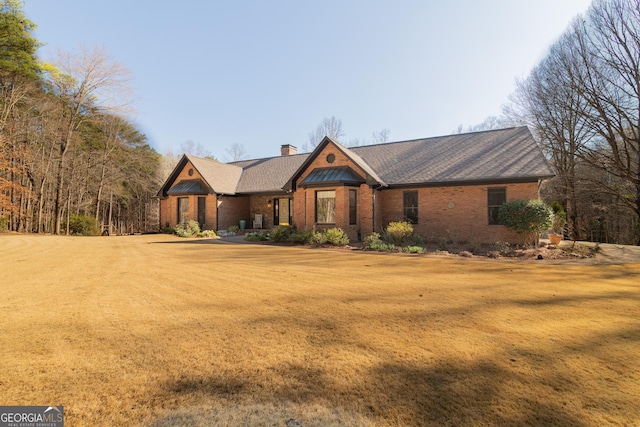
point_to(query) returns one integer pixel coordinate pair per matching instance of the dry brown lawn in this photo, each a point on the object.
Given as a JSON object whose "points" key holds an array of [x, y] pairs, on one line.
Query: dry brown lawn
{"points": [[161, 331]]}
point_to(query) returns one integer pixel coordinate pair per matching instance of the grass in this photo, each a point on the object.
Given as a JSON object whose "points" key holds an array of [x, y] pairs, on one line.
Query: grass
{"points": [[162, 331]]}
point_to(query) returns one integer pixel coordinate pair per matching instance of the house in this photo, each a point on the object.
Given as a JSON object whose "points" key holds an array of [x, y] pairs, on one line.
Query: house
{"points": [[447, 187]]}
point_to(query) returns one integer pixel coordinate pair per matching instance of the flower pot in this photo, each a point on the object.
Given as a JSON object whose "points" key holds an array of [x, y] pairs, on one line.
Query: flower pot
{"points": [[555, 239]]}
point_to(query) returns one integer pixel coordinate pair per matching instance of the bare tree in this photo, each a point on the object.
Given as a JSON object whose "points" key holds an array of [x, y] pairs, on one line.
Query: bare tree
{"points": [[606, 46], [196, 149], [549, 102], [331, 127], [489, 123], [85, 81], [236, 152], [381, 136]]}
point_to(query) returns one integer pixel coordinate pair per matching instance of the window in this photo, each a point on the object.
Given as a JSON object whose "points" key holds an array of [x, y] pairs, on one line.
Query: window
{"points": [[326, 207], [202, 211], [183, 210], [410, 206], [495, 198], [353, 207]]}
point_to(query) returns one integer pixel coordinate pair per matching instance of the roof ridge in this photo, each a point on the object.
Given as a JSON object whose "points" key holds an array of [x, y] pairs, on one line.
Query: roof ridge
{"points": [[437, 137]]}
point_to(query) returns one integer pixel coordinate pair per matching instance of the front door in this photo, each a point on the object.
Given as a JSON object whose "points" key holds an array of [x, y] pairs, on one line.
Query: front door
{"points": [[282, 214]]}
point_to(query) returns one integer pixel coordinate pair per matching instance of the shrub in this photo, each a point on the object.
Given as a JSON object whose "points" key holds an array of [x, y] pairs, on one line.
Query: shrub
{"points": [[4, 224], [415, 240], [83, 225], [282, 233], [526, 217], [233, 229], [559, 218], [382, 246], [502, 247], [190, 229], [318, 238], [207, 233], [443, 244], [301, 237], [414, 249], [399, 231], [256, 237], [372, 239], [337, 236]]}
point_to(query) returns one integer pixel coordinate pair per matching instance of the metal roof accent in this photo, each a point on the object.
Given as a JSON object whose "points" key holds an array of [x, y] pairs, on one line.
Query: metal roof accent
{"points": [[338, 175], [189, 186]]}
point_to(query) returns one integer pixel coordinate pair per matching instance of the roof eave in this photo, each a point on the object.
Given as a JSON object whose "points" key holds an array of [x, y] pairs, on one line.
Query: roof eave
{"points": [[463, 183]]}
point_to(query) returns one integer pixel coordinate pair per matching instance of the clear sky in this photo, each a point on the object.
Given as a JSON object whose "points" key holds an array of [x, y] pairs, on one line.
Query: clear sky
{"points": [[265, 73]]}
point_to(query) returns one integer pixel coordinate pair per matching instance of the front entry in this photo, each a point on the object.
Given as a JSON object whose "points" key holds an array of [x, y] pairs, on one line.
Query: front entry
{"points": [[282, 212]]}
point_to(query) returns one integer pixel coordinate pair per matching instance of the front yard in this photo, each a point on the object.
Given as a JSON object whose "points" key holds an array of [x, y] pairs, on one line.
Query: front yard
{"points": [[161, 331]]}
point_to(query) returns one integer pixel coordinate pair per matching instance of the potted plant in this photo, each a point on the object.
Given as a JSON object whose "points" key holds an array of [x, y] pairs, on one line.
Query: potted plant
{"points": [[559, 219]]}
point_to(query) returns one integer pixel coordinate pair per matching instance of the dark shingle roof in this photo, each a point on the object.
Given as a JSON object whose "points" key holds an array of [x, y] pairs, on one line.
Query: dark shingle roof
{"points": [[223, 178], [268, 175], [481, 156], [505, 155]]}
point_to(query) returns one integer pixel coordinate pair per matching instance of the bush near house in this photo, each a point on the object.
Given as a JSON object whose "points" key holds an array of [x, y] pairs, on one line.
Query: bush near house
{"points": [[526, 217], [399, 231], [336, 236], [190, 229], [282, 233]]}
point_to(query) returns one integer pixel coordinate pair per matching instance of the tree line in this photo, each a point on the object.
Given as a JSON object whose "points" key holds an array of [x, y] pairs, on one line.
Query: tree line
{"points": [[582, 103], [67, 146], [68, 149]]}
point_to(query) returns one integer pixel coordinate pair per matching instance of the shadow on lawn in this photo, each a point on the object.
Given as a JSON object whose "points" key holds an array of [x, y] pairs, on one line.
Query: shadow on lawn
{"points": [[389, 394]]}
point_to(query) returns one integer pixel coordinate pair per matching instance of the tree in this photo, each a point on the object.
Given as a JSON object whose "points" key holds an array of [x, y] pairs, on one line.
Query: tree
{"points": [[195, 149], [606, 70], [331, 127], [19, 72], [381, 136], [489, 123], [85, 82], [549, 102], [237, 152]]}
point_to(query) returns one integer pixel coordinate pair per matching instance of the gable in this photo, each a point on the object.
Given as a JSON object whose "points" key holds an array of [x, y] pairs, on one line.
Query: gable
{"points": [[215, 177], [335, 158]]}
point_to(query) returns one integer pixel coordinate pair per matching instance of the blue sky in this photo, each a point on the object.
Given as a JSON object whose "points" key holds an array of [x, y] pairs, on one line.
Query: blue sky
{"points": [[265, 73]]}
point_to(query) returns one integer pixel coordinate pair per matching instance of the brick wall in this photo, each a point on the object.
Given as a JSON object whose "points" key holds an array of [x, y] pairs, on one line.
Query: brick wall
{"points": [[304, 199], [457, 213], [169, 206], [231, 209]]}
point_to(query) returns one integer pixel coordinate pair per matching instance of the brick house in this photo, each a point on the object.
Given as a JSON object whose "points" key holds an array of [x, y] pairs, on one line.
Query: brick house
{"points": [[448, 187]]}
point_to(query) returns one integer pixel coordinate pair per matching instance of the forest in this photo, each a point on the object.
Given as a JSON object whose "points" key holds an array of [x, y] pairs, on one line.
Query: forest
{"points": [[70, 157]]}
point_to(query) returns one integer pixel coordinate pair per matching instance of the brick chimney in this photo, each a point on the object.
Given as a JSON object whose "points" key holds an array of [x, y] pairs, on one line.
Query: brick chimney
{"points": [[288, 150]]}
